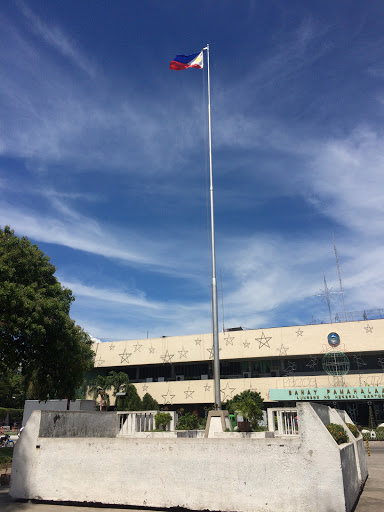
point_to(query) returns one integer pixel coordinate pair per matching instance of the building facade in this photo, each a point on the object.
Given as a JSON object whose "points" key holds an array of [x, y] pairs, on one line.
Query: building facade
{"points": [[340, 364]]}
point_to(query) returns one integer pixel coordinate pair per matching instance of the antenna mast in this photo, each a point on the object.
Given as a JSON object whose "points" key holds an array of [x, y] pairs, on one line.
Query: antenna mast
{"points": [[327, 295], [338, 269]]}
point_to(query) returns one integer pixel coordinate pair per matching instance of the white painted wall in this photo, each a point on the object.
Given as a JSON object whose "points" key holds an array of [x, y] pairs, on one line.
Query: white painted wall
{"points": [[227, 474]]}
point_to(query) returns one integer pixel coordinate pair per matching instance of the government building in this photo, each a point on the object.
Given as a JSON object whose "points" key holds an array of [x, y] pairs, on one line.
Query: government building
{"points": [[339, 364]]}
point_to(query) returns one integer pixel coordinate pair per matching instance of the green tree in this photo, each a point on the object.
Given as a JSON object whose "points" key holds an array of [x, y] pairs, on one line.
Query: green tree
{"points": [[149, 403], [99, 387], [119, 381], [12, 389], [131, 401], [249, 404], [37, 335]]}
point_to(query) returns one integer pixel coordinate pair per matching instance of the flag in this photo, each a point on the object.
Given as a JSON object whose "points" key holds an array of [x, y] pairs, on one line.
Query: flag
{"points": [[196, 60]]}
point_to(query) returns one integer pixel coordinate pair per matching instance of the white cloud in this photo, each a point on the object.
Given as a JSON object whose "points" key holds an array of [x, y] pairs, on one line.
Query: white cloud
{"points": [[114, 296], [347, 180], [57, 39], [95, 340]]}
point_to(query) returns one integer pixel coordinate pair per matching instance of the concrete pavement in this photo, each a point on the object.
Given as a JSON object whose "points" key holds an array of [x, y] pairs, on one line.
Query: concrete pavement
{"points": [[371, 499]]}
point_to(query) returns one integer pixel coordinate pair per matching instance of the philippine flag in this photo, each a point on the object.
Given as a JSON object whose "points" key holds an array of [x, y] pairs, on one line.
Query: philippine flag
{"points": [[196, 60]]}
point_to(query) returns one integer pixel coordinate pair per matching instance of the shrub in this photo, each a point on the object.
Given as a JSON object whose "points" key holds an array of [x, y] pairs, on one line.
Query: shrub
{"points": [[338, 433], [162, 419], [353, 429], [248, 404], [188, 421], [203, 423], [6, 455]]}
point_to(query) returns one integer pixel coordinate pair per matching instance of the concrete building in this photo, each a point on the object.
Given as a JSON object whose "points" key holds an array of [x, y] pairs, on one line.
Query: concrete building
{"points": [[339, 364]]}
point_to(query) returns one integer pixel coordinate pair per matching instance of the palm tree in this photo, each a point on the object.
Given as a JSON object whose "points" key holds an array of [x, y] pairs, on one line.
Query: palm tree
{"points": [[119, 381], [99, 387]]}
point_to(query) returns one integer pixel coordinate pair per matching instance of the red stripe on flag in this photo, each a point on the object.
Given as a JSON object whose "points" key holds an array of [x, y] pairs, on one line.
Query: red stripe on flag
{"points": [[177, 66]]}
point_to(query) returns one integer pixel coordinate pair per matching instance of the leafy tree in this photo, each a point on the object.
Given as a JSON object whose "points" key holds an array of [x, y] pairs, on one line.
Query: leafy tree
{"points": [[37, 335], [118, 381], [12, 392], [132, 401], [249, 404], [99, 388], [149, 403]]}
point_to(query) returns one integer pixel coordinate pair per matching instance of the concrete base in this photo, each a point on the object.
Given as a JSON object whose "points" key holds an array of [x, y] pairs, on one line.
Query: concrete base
{"points": [[217, 421]]}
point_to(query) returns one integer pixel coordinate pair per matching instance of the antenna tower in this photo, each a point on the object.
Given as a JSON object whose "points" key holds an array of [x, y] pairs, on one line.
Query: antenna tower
{"points": [[341, 283], [327, 295]]}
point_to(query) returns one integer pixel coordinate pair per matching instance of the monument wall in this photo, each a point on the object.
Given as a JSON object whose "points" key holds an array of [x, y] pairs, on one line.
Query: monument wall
{"points": [[306, 472]]}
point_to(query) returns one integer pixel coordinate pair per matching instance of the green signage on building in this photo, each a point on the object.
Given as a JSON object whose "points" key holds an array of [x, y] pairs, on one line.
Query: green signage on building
{"points": [[347, 393]]}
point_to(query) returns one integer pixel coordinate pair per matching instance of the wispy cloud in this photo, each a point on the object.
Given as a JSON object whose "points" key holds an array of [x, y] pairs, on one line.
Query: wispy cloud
{"points": [[58, 40], [347, 182]]}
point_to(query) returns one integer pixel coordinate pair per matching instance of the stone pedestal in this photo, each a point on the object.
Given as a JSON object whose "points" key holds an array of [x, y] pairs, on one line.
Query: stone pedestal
{"points": [[217, 421]]}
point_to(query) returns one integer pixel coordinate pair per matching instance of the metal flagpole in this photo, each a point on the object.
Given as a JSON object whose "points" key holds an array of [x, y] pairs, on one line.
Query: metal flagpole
{"points": [[215, 322]]}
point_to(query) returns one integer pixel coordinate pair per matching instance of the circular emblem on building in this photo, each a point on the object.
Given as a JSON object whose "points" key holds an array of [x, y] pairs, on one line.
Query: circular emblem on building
{"points": [[333, 339], [335, 363]]}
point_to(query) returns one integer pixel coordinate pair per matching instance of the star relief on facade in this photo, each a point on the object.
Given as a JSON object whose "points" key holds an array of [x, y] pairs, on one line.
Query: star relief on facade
{"points": [[151, 349], [99, 362], [168, 398], [145, 388], [282, 350], [112, 346], [229, 340], [368, 328], [246, 344], [210, 350], [183, 353], [137, 347], [124, 357], [263, 340], [207, 387], [188, 393], [227, 392], [167, 357], [197, 341], [299, 332]]}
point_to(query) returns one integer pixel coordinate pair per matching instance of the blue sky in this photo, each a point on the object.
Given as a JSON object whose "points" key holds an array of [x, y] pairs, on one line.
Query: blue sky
{"points": [[103, 159]]}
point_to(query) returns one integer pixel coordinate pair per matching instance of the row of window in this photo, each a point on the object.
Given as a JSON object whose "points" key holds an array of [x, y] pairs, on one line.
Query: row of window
{"points": [[309, 365]]}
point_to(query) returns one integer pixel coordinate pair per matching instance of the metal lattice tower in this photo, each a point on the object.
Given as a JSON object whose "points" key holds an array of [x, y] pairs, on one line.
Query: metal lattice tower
{"points": [[327, 295], [341, 283]]}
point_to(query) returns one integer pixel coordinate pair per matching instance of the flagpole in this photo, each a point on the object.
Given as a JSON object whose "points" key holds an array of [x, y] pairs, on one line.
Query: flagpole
{"points": [[215, 321]]}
